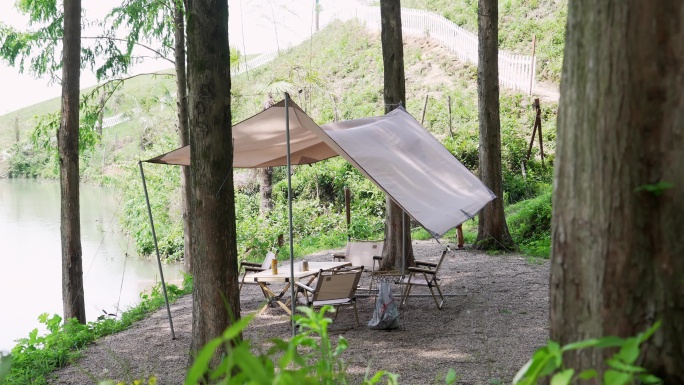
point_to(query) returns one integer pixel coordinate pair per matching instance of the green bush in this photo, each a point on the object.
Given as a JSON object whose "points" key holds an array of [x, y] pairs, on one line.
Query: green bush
{"points": [[529, 223], [34, 357], [309, 357], [620, 369]]}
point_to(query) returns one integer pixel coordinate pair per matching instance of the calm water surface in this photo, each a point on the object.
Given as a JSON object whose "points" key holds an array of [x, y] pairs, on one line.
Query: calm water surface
{"points": [[30, 257]]}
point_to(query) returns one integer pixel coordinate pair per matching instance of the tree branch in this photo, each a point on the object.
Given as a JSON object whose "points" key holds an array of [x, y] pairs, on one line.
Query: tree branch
{"points": [[138, 44]]}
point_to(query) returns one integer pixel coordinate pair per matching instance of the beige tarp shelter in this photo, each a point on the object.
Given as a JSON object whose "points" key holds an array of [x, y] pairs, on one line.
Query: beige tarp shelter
{"points": [[400, 156], [397, 153]]}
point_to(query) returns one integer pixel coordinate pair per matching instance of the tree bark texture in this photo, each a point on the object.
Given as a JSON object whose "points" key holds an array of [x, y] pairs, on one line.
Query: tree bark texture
{"points": [[618, 256], [266, 190], [395, 96], [266, 176], [67, 139], [492, 231], [183, 131], [215, 268]]}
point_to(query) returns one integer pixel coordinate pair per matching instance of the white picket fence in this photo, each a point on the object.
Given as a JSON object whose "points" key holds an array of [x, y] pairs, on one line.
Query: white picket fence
{"points": [[515, 71], [114, 120]]}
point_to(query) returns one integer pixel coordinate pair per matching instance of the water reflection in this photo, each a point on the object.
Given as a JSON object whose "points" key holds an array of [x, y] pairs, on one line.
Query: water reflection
{"points": [[30, 262]]}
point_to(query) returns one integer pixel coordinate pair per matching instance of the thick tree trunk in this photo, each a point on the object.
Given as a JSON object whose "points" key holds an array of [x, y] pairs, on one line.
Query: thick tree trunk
{"points": [[492, 231], [395, 96], [67, 139], [215, 268], [183, 131], [617, 262]]}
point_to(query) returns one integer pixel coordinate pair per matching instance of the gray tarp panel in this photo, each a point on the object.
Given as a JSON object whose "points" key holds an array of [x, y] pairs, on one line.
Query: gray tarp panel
{"points": [[395, 151], [412, 166]]}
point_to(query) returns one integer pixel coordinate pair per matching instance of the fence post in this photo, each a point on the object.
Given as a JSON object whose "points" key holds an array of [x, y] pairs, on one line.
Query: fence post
{"points": [[534, 48]]}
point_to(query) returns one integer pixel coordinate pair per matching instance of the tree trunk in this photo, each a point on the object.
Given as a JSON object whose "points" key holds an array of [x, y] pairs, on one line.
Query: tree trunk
{"points": [[16, 129], [214, 248], [266, 176], [67, 139], [266, 190], [617, 263], [394, 96], [492, 231], [183, 132]]}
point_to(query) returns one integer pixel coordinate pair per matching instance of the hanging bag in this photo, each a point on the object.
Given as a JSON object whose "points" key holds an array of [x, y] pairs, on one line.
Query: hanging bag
{"points": [[386, 314]]}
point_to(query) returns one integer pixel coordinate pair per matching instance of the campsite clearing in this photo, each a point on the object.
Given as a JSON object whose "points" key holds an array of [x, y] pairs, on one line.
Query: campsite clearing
{"points": [[486, 332]]}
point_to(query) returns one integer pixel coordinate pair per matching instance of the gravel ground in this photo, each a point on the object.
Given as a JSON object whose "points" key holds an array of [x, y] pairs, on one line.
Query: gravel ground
{"points": [[494, 317]]}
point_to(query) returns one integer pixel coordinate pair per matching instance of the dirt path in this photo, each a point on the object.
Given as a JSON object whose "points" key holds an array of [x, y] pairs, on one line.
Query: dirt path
{"points": [[494, 318]]}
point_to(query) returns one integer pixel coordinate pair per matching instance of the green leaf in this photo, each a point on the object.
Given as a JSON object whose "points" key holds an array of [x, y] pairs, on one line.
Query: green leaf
{"points": [[609, 342], [619, 365], [649, 379], [581, 344], [656, 189], [612, 377], [450, 377], [563, 377], [522, 372], [588, 374], [643, 337], [629, 351], [201, 364]]}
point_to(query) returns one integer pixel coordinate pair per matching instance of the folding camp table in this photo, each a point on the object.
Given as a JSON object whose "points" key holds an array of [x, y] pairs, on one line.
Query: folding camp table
{"points": [[273, 298]]}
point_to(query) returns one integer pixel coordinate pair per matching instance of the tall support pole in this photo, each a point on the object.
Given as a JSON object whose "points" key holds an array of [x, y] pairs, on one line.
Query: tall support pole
{"points": [[289, 210], [347, 208], [156, 248]]}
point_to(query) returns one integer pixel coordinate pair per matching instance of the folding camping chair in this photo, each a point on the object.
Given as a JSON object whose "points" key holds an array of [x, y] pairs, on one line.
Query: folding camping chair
{"points": [[424, 274], [333, 287], [366, 254], [255, 267]]}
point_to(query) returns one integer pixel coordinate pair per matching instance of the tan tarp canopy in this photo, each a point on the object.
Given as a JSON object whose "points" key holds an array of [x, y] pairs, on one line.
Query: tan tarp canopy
{"points": [[259, 141], [395, 151]]}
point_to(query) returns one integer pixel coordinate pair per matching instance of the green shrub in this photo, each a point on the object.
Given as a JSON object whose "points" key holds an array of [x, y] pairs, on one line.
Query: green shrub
{"points": [[309, 357], [34, 357], [529, 223], [620, 369]]}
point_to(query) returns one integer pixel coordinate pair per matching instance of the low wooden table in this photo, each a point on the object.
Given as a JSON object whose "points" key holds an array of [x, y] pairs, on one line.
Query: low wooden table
{"points": [[283, 275]]}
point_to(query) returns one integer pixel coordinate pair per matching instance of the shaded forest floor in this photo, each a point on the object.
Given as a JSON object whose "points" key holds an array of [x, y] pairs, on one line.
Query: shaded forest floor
{"points": [[494, 317]]}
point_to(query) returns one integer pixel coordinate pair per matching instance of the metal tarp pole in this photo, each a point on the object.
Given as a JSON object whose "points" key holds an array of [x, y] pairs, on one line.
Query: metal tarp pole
{"points": [[156, 248], [289, 211]]}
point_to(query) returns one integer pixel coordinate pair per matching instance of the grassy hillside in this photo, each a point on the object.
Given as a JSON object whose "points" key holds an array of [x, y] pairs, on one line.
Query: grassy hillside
{"points": [[519, 21], [336, 76]]}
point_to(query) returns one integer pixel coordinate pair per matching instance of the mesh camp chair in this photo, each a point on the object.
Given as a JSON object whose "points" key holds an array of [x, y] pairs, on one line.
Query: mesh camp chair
{"points": [[424, 274], [255, 267], [333, 287], [366, 254]]}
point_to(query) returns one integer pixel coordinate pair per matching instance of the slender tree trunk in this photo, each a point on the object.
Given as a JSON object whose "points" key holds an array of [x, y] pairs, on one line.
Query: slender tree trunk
{"points": [[394, 96], [266, 190], [617, 262], [492, 231], [215, 268], [67, 139], [183, 131], [266, 176], [16, 129]]}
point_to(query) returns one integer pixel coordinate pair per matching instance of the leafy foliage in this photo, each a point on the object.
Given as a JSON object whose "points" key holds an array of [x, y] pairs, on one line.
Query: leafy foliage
{"points": [[309, 357], [32, 358], [529, 222], [622, 368]]}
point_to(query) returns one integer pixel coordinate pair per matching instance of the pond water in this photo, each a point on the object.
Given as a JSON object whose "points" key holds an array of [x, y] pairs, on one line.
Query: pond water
{"points": [[31, 264]]}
